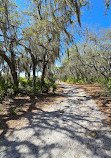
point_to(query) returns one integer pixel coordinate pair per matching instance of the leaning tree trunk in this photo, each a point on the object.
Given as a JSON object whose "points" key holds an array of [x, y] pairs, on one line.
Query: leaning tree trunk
{"points": [[12, 68]]}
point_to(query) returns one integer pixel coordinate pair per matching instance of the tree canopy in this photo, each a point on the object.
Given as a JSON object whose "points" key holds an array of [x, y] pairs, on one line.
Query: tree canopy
{"points": [[31, 41]]}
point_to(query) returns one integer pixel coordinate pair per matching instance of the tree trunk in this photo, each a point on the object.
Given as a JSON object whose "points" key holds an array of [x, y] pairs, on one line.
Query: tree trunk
{"points": [[44, 70], [12, 68], [34, 76], [28, 74], [43, 74], [101, 73], [14, 75], [34, 67]]}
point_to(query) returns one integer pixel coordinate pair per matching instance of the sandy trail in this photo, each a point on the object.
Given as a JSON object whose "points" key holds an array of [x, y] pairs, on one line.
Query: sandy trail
{"points": [[70, 128]]}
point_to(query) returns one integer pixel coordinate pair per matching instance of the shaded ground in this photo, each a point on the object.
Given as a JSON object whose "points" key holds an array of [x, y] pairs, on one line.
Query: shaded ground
{"points": [[71, 127], [13, 111], [100, 96]]}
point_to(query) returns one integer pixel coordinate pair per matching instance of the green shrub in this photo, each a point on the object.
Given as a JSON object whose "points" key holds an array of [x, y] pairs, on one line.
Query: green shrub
{"points": [[70, 80], [30, 83], [2, 85], [13, 111], [18, 95], [22, 82], [109, 85], [46, 86], [1, 109], [2, 94], [25, 85], [10, 91], [54, 87], [50, 83], [38, 85], [81, 81]]}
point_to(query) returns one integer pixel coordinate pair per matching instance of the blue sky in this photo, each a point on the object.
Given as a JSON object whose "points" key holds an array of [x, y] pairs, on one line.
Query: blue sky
{"points": [[94, 17]]}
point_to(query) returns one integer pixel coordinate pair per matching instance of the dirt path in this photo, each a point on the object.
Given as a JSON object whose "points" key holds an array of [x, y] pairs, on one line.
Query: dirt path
{"points": [[100, 95], [70, 128]]}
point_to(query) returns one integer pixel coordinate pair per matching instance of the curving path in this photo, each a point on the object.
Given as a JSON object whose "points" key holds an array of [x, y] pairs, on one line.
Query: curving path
{"points": [[70, 128]]}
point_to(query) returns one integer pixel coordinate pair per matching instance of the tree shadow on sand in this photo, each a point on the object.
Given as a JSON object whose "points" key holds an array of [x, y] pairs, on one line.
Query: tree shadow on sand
{"points": [[46, 133], [42, 124]]}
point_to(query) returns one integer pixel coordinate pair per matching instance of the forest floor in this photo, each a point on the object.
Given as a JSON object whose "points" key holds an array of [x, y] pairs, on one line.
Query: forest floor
{"points": [[67, 124], [13, 110]]}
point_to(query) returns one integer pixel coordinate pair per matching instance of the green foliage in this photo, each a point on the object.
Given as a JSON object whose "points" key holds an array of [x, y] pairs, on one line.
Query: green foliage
{"points": [[18, 95], [92, 79], [48, 85], [109, 85], [10, 91], [5, 89], [13, 112], [45, 87], [89, 62], [38, 85], [70, 80], [27, 86], [1, 108], [41, 38], [23, 82], [73, 80], [81, 81], [2, 85], [54, 88], [2, 91], [2, 94]]}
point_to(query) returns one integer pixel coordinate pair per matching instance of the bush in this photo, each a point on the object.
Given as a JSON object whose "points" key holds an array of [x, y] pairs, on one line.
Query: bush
{"points": [[23, 82], [25, 86], [50, 83], [73, 80], [46, 86], [81, 81], [2, 85], [13, 112], [70, 80], [6, 89], [54, 87], [38, 85], [3, 89], [109, 85]]}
